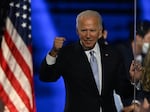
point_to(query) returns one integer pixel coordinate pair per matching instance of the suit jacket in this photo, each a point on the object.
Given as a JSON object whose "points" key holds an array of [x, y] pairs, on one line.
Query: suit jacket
{"points": [[125, 50], [81, 92]]}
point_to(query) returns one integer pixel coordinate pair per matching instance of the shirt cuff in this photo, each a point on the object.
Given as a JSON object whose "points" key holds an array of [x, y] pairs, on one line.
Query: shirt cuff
{"points": [[136, 102], [50, 60]]}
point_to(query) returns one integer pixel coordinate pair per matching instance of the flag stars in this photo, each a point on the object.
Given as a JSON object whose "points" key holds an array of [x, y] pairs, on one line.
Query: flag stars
{"points": [[12, 4], [24, 16], [29, 9], [30, 18], [17, 14], [18, 5], [30, 27], [21, 13], [24, 25], [29, 36], [24, 7]]}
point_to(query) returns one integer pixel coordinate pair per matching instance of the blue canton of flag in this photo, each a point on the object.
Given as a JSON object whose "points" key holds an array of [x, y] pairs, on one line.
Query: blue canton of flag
{"points": [[20, 15]]}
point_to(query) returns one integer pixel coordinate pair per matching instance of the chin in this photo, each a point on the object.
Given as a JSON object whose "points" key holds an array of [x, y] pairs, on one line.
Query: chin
{"points": [[88, 47]]}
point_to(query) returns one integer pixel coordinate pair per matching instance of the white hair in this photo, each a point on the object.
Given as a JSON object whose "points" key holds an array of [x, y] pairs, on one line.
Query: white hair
{"points": [[89, 13]]}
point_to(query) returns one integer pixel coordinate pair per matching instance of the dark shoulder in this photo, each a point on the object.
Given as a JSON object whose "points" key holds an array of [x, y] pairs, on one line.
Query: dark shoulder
{"points": [[109, 52], [106, 46]]}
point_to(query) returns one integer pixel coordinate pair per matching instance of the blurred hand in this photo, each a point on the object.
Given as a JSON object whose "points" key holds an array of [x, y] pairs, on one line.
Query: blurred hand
{"points": [[136, 70], [58, 43], [144, 107], [132, 108]]}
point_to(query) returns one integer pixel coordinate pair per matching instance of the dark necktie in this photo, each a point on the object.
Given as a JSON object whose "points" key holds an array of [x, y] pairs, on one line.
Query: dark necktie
{"points": [[94, 66]]}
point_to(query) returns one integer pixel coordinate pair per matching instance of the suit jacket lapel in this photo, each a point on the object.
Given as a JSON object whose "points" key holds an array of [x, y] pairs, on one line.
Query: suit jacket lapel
{"points": [[87, 65], [104, 53]]}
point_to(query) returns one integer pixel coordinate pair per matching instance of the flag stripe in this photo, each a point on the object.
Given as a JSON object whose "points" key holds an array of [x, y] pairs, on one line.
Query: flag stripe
{"points": [[14, 83], [18, 56], [13, 97], [21, 52], [14, 76], [16, 69], [8, 103], [16, 38]]}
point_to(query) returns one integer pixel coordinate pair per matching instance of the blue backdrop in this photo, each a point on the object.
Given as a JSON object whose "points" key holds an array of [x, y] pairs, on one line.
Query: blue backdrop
{"points": [[57, 18]]}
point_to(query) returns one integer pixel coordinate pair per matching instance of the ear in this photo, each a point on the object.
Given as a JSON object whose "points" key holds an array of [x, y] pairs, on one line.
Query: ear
{"points": [[100, 34], [105, 33]]}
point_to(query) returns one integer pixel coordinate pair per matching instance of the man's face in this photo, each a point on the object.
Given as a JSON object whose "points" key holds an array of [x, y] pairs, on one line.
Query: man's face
{"points": [[137, 45], [147, 38], [146, 43], [89, 31]]}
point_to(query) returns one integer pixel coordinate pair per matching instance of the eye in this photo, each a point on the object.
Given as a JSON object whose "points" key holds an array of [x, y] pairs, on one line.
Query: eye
{"points": [[93, 30], [83, 30]]}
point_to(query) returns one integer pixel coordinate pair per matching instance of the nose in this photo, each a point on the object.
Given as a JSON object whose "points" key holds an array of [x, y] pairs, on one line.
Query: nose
{"points": [[88, 34]]}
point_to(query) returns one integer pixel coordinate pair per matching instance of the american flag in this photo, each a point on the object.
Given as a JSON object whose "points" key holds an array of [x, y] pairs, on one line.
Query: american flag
{"points": [[16, 68]]}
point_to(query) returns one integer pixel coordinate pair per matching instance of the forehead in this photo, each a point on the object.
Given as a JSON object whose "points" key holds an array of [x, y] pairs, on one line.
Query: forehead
{"points": [[87, 21], [91, 17]]}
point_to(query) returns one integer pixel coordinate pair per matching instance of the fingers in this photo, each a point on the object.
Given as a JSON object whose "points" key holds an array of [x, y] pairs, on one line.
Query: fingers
{"points": [[128, 109], [136, 70], [58, 43], [132, 108], [137, 66]]}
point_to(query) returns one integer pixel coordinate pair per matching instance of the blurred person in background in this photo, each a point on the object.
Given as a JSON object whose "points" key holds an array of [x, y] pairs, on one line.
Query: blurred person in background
{"points": [[134, 48], [141, 51], [144, 96], [142, 40]]}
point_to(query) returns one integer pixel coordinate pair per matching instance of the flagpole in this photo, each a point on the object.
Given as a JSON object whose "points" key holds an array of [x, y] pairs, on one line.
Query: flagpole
{"points": [[135, 14]]}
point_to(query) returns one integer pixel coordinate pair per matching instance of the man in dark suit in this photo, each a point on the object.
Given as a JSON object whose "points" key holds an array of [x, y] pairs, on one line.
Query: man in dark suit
{"points": [[72, 62]]}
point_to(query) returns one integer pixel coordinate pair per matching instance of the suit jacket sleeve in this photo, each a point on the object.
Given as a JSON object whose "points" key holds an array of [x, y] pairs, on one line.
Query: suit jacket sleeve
{"points": [[47, 72]]}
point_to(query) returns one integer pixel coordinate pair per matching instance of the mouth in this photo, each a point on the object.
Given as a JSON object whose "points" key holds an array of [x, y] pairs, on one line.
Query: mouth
{"points": [[88, 41], [87, 44]]}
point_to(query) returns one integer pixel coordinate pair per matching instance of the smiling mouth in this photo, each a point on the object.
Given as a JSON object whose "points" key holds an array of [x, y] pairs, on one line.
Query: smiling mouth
{"points": [[88, 41]]}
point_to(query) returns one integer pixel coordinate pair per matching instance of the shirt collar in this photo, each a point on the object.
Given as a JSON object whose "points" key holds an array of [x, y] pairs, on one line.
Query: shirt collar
{"points": [[95, 49]]}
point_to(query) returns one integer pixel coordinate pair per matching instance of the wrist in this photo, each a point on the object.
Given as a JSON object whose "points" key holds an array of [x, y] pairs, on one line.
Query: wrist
{"points": [[53, 53], [136, 102]]}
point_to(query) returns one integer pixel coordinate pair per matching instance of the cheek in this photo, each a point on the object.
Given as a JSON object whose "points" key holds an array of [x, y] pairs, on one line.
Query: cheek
{"points": [[147, 37], [80, 35]]}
